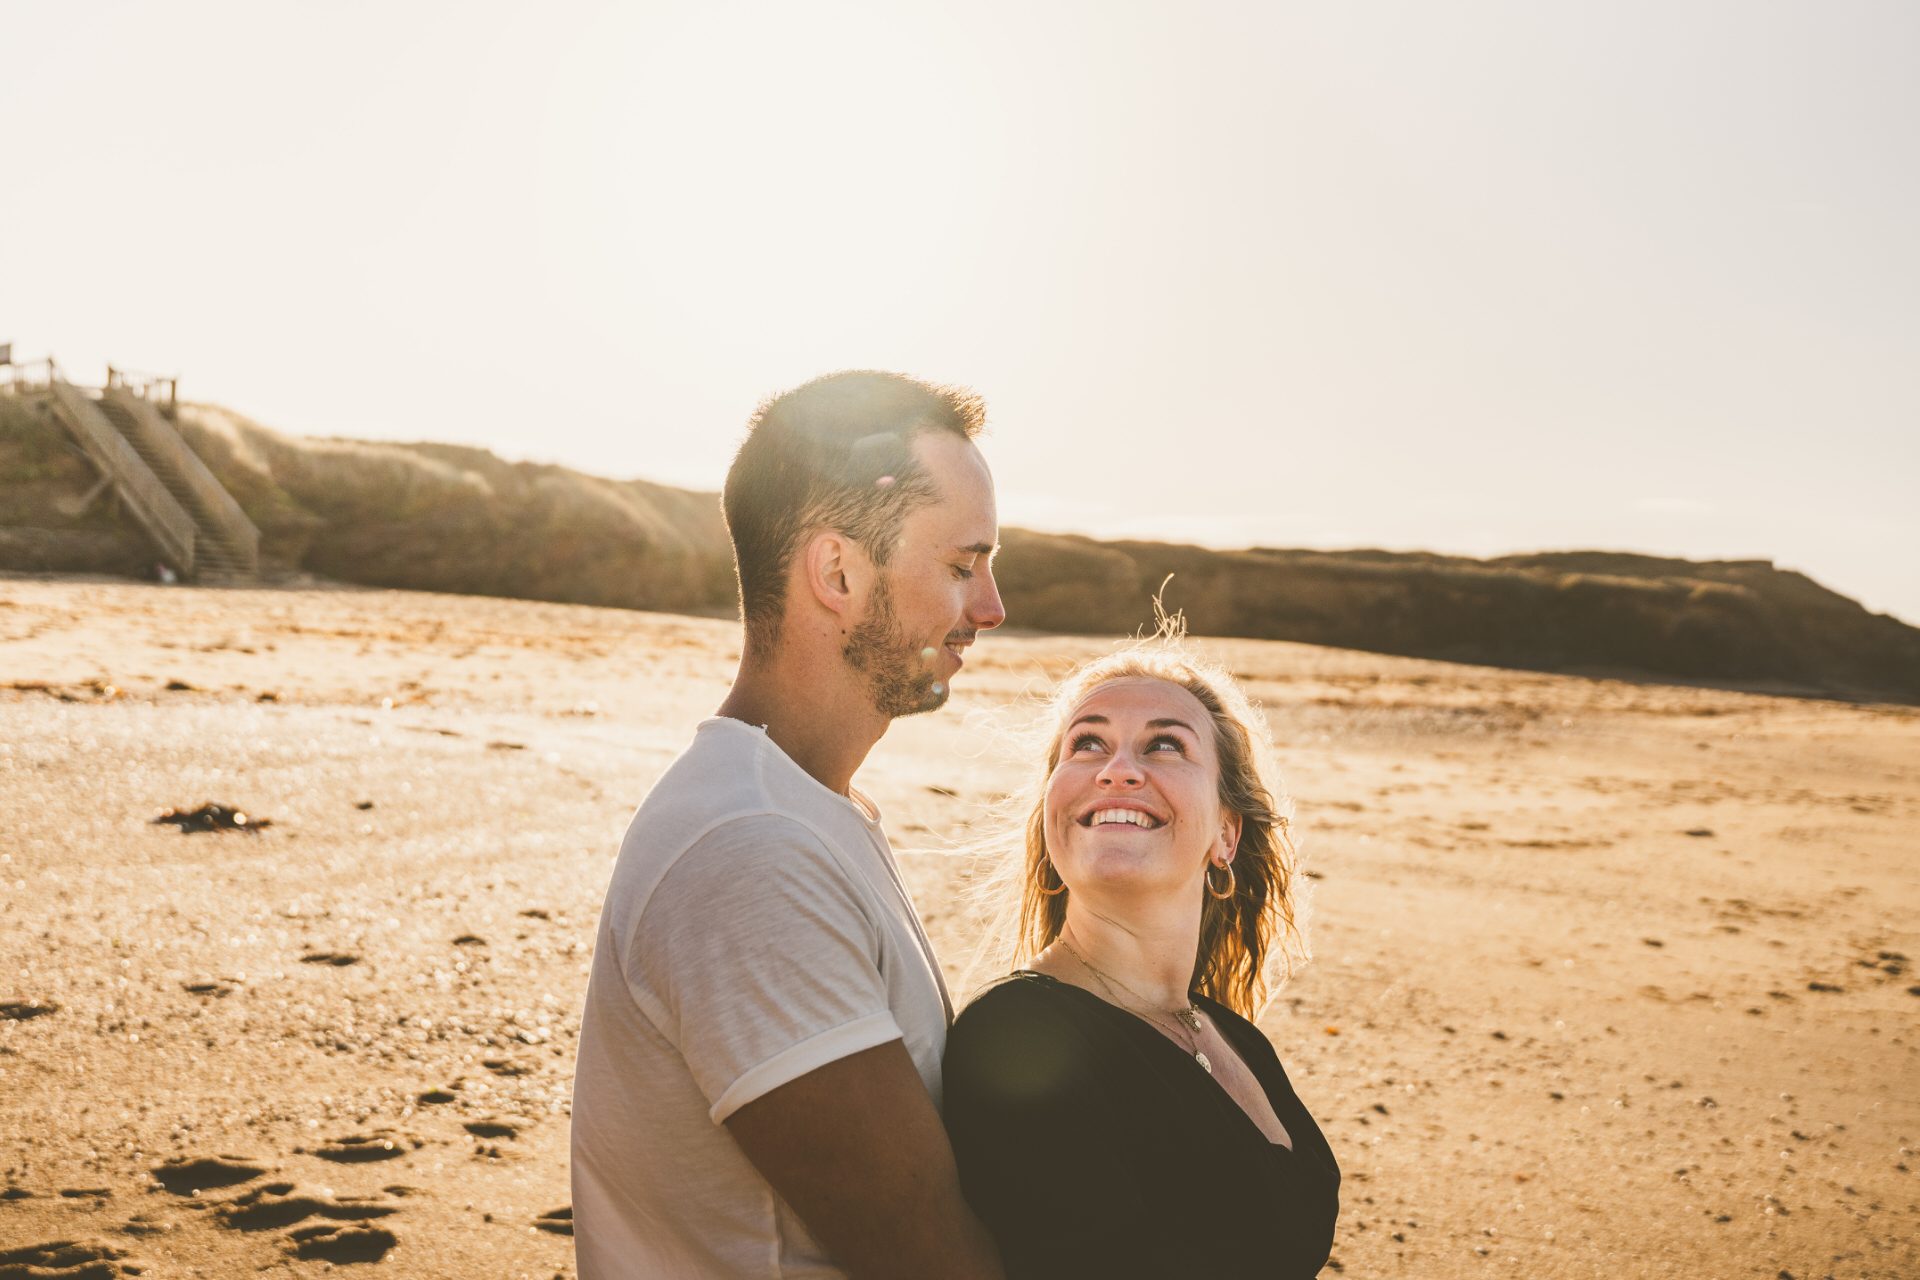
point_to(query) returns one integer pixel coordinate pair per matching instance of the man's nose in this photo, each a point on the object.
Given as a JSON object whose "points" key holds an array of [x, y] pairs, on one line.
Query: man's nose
{"points": [[987, 611]]}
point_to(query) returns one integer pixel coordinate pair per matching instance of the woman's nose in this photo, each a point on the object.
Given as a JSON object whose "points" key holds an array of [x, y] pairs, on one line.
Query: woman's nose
{"points": [[1120, 770]]}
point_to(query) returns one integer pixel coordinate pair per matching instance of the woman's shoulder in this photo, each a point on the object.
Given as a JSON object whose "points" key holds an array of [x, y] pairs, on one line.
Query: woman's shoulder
{"points": [[1024, 1025], [1019, 998]]}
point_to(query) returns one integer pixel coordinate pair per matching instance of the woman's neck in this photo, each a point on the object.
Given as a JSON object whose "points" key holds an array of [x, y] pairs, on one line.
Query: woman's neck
{"points": [[1152, 959]]}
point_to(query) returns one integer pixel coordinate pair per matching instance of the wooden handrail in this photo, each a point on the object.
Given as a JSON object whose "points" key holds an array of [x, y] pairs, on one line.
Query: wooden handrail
{"points": [[143, 384]]}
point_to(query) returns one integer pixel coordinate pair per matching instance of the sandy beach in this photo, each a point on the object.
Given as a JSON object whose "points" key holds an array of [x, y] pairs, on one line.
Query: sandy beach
{"points": [[1610, 978]]}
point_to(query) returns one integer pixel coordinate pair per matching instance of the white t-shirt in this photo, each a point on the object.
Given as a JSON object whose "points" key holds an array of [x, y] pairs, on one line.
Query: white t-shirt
{"points": [[756, 928]]}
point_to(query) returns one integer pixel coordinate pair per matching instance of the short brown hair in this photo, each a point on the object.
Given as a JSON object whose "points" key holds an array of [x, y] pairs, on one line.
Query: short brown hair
{"points": [[835, 453]]}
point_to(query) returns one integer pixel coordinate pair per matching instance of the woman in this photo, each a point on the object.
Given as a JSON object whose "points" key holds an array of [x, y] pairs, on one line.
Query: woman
{"points": [[1113, 1110]]}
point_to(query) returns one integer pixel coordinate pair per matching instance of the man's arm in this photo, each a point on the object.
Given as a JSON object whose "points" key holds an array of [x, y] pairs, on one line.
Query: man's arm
{"points": [[858, 1150]]}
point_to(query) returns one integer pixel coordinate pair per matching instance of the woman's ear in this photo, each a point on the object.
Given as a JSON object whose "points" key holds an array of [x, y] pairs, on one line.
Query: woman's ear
{"points": [[1229, 837]]}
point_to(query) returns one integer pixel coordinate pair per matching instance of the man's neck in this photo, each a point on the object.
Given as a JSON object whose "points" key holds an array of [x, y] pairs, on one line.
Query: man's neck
{"points": [[822, 720]]}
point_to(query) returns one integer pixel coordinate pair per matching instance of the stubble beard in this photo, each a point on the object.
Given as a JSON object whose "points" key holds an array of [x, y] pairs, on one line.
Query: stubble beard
{"points": [[898, 680]]}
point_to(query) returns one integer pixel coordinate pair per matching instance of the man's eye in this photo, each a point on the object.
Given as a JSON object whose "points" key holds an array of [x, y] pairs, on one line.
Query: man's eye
{"points": [[962, 571]]}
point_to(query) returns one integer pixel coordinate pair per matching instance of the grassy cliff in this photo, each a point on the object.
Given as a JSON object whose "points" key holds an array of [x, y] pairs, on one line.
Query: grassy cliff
{"points": [[1738, 622], [446, 518]]}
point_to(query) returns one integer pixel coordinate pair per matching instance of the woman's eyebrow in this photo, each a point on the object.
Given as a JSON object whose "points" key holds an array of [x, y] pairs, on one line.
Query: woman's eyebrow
{"points": [[1151, 724]]}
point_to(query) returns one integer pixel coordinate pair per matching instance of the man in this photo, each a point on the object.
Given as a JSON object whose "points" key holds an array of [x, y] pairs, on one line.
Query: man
{"points": [[759, 1069]]}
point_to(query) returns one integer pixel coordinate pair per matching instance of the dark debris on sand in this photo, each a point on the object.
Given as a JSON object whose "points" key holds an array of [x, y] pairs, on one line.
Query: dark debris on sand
{"points": [[211, 817]]}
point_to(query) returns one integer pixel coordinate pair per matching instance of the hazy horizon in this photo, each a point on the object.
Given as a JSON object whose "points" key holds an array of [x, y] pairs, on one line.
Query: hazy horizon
{"points": [[1477, 280]]}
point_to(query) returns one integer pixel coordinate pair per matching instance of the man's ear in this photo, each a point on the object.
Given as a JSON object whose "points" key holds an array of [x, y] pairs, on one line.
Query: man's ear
{"points": [[836, 571]]}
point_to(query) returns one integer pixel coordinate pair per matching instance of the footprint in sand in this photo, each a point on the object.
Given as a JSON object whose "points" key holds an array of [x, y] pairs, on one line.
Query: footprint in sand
{"points": [[508, 1067], [558, 1221], [492, 1128], [338, 959], [208, 988], [68, 1260], [367, 1148], [190, 1175], [342, 1244], [21, 1010], [280, 1204]]}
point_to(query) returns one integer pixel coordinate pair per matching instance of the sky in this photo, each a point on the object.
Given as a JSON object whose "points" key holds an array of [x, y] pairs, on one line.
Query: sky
{"points": [[1476, 277]]}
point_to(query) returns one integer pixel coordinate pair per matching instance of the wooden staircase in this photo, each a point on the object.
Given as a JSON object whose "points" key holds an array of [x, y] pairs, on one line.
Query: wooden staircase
{"points": [[195, 525], [226, 543]]}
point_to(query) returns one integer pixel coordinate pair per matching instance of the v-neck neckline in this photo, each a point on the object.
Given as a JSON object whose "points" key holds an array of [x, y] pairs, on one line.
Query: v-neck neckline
{"points": [[1213, 1082]]}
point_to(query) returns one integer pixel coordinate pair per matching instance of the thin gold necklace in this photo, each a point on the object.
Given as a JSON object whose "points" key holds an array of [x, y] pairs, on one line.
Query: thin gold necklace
{"points": [[1185, 1022]]}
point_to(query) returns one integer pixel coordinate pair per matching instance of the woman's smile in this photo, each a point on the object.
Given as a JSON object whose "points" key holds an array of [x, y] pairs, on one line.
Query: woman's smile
{"points": [[1130, 813]]}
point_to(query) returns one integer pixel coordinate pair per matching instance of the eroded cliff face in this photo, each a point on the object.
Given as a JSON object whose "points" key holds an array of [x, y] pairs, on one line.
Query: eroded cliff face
{"points": [[440, 517]]}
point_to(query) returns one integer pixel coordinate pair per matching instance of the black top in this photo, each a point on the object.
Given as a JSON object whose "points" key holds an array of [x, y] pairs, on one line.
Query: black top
{"points": [[1092, 1145]]}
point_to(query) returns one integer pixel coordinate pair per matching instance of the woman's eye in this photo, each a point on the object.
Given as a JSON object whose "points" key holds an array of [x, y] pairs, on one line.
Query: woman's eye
{"points": [[1086, 742], [1165, 740]]}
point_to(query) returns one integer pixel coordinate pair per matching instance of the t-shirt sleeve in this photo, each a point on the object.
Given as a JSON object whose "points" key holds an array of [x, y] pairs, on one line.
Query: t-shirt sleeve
{"points": [[1042, 1151], [757, 959]]}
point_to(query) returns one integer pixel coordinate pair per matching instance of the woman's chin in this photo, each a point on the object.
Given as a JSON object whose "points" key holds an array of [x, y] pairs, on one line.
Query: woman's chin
{"points": [[1118, 876]]}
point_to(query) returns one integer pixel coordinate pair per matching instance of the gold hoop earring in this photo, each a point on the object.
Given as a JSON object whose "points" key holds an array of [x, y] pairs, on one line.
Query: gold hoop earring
{"points": [[1055, 892], [1223, 894]]}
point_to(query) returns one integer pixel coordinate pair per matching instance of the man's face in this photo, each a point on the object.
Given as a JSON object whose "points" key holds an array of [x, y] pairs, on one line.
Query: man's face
{"points": [[936, 592]]}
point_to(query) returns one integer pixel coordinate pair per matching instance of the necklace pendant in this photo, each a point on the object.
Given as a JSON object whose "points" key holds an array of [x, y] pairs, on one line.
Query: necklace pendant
{"points": [[1191, 1016], [1201, 1058]]}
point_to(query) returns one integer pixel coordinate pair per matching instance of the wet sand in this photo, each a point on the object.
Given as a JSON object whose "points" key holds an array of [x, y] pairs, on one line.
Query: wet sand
{"points": [[1610, 979]]}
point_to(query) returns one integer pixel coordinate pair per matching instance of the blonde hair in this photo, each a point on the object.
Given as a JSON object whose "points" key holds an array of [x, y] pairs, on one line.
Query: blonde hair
{"points": [[1238, 934]]}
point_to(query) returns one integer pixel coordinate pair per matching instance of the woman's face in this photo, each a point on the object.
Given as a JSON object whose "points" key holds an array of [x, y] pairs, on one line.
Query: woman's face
{"points": [[1133, 805]]}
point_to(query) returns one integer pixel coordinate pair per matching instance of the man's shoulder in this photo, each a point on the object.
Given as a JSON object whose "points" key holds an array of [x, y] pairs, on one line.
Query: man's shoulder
{"points": [[717, 773]]}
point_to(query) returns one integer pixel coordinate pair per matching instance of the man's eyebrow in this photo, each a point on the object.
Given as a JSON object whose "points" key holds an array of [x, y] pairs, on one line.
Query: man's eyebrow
{"points": [[979, 549]]}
